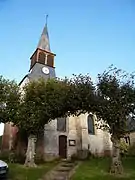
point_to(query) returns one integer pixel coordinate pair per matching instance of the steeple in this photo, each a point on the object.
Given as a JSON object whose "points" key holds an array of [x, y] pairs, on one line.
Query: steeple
{"points": [[44, 43], [43, 54]]}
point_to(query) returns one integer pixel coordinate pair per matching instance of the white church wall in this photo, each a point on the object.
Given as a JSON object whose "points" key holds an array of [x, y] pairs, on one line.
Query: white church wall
{"points": [[50, 140], [72, 136], [132, 138], [24, 82], [98, 143], [77, 131], [50, 137]]}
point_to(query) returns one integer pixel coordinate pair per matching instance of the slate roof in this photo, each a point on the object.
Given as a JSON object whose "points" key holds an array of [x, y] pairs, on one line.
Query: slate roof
{"points": [[44, 43]]}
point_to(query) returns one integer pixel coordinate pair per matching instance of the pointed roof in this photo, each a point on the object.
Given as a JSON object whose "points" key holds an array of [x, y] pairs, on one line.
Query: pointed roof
{"points": [[44, 43]]}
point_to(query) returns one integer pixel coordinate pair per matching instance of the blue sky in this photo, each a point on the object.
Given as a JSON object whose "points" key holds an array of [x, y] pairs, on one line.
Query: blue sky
{"points": [[87, 36]]}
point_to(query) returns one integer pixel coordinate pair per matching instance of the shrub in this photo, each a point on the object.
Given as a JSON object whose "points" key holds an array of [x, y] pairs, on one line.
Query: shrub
{"points": [[39, 159], [74, 157], [83, 154], [19, 158], [131, 150], [4, 156]]}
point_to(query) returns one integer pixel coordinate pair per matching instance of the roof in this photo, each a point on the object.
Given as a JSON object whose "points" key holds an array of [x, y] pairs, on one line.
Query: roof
{"points": [[44, 43]]}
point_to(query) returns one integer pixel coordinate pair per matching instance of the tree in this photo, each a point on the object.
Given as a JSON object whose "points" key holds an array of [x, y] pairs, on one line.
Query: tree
{"points": [[115, 103], [111, 100], [82, 93], [42, 102], [9, 100]]}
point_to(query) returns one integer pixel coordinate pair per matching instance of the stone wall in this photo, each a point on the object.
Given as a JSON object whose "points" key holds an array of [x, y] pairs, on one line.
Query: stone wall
{"points": [[98, 144], [72, 136], [132, 138], [51, 138]]}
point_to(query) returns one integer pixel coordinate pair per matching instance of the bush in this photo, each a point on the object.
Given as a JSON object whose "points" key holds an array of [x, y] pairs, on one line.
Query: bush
{"points": [[19, 158], [39, 159], [74, 157], [4, 156], [131, 150], [83, 154]]}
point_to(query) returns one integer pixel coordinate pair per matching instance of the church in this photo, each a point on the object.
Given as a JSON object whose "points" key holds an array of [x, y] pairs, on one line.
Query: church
{"points": [[63, 137]]}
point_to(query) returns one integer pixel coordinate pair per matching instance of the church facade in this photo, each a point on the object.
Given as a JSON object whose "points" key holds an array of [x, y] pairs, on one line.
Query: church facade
{"points": [[63, 137]]}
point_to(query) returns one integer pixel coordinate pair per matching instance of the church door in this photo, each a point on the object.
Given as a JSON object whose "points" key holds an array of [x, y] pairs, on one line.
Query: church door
{"points": [[63, 146]]}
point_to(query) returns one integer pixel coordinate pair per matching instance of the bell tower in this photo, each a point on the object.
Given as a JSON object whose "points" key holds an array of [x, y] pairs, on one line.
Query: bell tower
{"points": [[42, 60]]}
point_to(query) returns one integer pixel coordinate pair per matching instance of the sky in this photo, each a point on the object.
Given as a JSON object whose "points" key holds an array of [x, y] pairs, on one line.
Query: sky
{"points": [[86, 36]]}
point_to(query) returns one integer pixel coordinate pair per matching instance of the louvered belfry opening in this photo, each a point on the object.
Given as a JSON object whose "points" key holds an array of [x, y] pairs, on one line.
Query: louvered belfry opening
{"points": [[42, 57], [50, 60]]}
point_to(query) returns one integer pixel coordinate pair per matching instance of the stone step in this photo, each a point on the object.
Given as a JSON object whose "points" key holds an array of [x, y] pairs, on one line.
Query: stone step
{"points": [[67, 165], [59, 178], [56, 173], [61, 172], [62, 169], [67, 161]]}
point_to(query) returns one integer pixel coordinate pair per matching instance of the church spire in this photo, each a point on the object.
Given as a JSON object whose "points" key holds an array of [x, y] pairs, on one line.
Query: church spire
{"points": [[44, 43], [43, 54]]}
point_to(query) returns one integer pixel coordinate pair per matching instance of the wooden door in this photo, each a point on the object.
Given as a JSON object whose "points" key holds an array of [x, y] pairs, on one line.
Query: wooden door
{"points": [[63, 146]]}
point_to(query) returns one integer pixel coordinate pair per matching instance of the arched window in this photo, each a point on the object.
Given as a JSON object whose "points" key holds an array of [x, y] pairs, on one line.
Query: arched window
{"points": [[91, 127], [61, 124]]}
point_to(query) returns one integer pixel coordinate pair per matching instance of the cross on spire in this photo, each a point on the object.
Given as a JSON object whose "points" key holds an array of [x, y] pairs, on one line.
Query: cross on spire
{"points": [[46, 18]]}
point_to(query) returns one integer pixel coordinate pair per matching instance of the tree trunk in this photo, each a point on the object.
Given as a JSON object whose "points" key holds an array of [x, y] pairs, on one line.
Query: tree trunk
{"points": [[10, 137], [116, 165], [30, 154]]}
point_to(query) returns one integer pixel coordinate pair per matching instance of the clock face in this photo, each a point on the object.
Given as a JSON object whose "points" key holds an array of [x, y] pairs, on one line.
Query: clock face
{"points": [[45, 70]]}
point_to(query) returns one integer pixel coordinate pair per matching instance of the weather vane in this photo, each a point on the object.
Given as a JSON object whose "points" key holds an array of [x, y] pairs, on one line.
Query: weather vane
{"points": [[46, 18]]}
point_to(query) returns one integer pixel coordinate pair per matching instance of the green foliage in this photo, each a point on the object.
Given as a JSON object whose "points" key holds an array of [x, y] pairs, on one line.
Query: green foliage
{"points": [[4, 156], [115, 100], [19, 158], [9, 100], [74, 157], [39, 159], [12, 157], [131, 150], [41, 102], [44, 101], [82, 94], [123, 146]]}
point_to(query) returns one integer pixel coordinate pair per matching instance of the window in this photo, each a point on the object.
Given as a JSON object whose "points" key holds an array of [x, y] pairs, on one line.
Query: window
{"points": [[91, 128], [50, 60], [41, 58], [61, 124]]}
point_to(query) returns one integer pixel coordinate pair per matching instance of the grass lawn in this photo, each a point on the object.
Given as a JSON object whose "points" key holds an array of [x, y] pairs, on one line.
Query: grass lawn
{"points": [[97, 169], [19, 172]]}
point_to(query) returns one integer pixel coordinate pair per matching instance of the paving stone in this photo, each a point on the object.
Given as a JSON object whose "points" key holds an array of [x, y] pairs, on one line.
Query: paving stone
{"points": [[60, 172], [67, 165]]}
